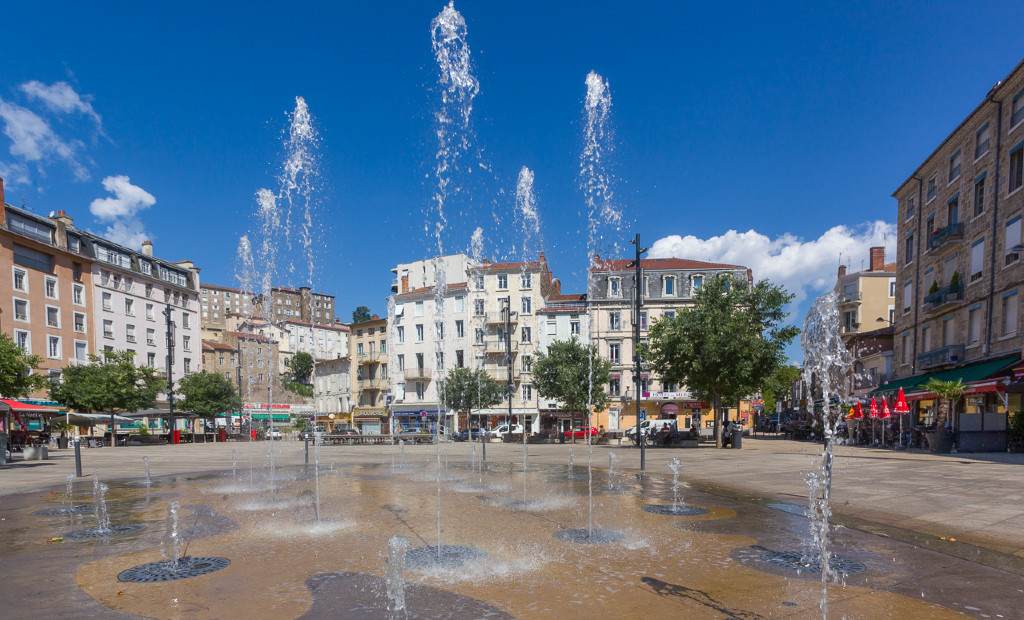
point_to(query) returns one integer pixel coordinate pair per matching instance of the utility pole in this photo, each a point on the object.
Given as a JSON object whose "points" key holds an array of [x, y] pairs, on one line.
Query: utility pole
{"points": [[510, 388], [637, 362], [170, 375]]}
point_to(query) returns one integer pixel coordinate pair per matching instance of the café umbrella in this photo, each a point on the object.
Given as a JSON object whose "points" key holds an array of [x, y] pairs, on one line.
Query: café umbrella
{"points": [[873, 412], [885, 415], [901, 408]]}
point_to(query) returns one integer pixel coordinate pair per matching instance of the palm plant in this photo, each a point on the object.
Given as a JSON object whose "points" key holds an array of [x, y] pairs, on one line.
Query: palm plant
{"points": [[948, 392]]}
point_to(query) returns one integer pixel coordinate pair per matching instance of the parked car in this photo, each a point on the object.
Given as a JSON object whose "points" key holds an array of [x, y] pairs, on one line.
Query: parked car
{"points": [[504, 429], [580, 431], [468, 434], [273, 433]]}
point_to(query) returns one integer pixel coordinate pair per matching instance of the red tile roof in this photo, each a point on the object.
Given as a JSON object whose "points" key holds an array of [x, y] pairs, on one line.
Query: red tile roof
{"points": [[214, 345], [659, 263], [530, 265], [581, 297], [426, 289]]}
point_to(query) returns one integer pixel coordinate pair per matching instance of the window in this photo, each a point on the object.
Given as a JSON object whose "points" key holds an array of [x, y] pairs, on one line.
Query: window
{"points": [[52, 317], [613, 386], [401, 363], [892, 287], [460, 304], [614, 320], [1011, 241], [953, 210], [974, 324], [107, 305], [117, 281], [911, 206], [20, 280], [527, 305], [926, 335], [904, 348], [146, 268], [438, 331], [418, 308], [478, 337], [907, 295], [32, 259], [21, 310], [439, 360], [29, 228], [614, 287], [614, 352], [929, 277], [1017, 116], [400, 334], [188, 367], [552, 326], [53, 347], [383, 346], [670, 286], [954, 166], [108, 328], [81, 350], [979, 195], [129, 331], [78, 294], [129, 307], [977, 259], [186, 320], [1010, 301], [643, 320], [478, 282], [909, 249], [527, 363], [502, 281], [113, 257], [525, 280], [460, 359], [932, 187], [151, 360], [526, 333], [51, 288], [419, 333], [460, 332], [948, 332], [697, 283], [478, 307], [1016, 168], [150, 336], [23, 339], [527, 392], [420, 390], [574, 327], [670, 314], [981, 141], [186, 343], [79, 322]]}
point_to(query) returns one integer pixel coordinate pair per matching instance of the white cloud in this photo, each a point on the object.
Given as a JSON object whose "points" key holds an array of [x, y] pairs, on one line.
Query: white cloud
{"points": [[122, 211], [60, 97], [802, 267], [33, 139], [14, 174]]}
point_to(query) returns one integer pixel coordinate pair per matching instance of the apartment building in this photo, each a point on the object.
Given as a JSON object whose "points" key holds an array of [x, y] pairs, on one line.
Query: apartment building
{"points": [[301, 304], [668, 285], [369, 381], [219, 304], [867, 312], [46, 287], [333, 395], [563, 317], [959, 268]]}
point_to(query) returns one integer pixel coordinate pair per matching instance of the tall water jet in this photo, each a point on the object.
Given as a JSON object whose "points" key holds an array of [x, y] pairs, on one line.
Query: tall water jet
{"points": [[526, 214], [171, 544], [99, 499], [826, 364], [149, 480], [397, 548]]}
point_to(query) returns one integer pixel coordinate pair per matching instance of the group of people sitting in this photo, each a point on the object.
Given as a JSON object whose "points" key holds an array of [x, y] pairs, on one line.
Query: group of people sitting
{"points": [[670, 433]]}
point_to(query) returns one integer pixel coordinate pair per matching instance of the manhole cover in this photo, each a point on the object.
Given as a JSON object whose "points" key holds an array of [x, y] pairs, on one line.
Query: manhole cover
{"points": [[584, 536], [794, 560], [450, 556], [80, 509], [675, 510], [171, 571], [95, 532]]}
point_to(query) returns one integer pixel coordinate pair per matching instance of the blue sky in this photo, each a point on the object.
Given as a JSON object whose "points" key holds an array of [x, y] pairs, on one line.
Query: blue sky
{"points": [[779, 122]]}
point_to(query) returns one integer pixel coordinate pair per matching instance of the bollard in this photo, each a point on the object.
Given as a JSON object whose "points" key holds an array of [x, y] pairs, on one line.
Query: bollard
{"points": [[3, 448], [78, 457], [307, 449]]}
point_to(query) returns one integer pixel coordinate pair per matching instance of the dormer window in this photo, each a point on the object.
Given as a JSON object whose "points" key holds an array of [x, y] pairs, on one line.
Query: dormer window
{"points": [[669, 286], [696, 283], [614, 287]]}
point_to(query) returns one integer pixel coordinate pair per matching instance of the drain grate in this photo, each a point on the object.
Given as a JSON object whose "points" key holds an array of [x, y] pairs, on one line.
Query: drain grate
{"points": [[451, 556], [584, 536], [80, 509], [671, 510], [186, 567], [794, 560], [95, 532]]}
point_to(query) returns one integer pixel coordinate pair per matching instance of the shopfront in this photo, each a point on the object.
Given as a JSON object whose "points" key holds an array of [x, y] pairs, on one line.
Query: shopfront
{"points": [[418, 420], [679, 406], [370, 420]]}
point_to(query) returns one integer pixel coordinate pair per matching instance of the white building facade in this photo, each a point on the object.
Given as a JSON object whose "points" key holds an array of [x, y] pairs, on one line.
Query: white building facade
{"points": [[562, 318]]}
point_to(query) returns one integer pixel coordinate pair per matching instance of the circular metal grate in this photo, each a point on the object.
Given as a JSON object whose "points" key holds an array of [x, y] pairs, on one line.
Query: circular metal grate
{"points": [[584, 536], [451, 556], [674, 510], [95, 532], [79, 509], [167, 570], [795, 560]]}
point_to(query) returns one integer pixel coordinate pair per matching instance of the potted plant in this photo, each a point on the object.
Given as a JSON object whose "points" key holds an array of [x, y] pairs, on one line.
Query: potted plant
{"points": [[940, 441], [934, 288], [954, 281], [64, 428], [1017, 432]]}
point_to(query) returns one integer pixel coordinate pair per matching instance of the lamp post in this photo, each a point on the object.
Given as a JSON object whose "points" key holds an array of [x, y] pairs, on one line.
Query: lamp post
{"points": [[510, 388], [170, 373], [637, 362]]}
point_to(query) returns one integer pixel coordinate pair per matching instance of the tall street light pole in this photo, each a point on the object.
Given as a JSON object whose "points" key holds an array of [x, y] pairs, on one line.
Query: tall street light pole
{"points": [[637, 362], [508, 360], [170, 366]]}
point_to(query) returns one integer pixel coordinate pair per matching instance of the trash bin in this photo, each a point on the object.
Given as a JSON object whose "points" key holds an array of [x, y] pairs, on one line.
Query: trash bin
{"points": [[222, 435], [737, 438], [176, 436]]}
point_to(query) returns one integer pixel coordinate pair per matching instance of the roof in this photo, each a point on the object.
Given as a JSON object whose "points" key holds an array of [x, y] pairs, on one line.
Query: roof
{"points": [[219, 346], [658, 264], [563, 309], [580, 297], [340, 328], [222, 288], [968, 374], [539, 265], [429, 289], [248, 336]]}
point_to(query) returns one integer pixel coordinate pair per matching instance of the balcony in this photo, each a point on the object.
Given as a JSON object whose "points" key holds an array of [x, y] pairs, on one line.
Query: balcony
{"points": [[498, 318], [952, 294], [849, 329], [946, 356], [496, 346], [370, 384], [864, 381], [418, 374], [846, 299], [371, 358], [943, 236]]}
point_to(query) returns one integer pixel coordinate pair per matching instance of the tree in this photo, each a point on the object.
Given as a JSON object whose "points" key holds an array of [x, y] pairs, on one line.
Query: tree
{"points": [[112, 382], [948, 393], [361, 315], [727, 345], [464, 390], [301, 365], [574, 375], [778, 383], [17, 370], [208, 394]]}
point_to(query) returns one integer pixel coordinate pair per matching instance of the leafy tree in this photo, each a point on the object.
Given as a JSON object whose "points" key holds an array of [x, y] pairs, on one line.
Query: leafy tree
{"points": [[948, 393], [464, 390], [301, 365], [208, 394], [567, 372], [727, 345], [112, 382], [361, 314], [17, 370], [778, 383]]}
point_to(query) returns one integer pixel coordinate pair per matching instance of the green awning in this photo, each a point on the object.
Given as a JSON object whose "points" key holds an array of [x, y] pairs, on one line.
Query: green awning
{"points": [[967, 374], [278, 417]]}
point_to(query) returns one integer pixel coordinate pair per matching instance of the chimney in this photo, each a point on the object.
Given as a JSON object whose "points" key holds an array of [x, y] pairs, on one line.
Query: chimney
{"points": [[147, 249], [61, 221], [405, 283], [842, 270], [375, 317], [64, 218], [877, 258]]}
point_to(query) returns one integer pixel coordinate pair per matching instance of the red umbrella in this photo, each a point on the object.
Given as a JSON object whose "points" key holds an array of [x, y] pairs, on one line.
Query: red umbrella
{"points": [[858, 412], [885, 409], [873, 411], [901, 403]]}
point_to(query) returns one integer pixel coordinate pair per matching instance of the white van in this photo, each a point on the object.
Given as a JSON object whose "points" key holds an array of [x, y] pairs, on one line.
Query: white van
{"points": [[647, 428], [503, 429]]}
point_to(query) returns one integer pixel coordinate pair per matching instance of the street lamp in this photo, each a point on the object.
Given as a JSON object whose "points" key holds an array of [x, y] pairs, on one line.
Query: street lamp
{"points": [[637, 362], [170, 371]]}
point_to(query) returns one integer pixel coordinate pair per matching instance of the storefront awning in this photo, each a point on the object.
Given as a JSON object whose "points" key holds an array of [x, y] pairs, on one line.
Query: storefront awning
{"points": [[970, 373], [20, 407]]}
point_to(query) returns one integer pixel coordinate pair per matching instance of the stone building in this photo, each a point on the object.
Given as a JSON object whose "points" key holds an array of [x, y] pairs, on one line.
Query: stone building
{"points": [[369, 381]]}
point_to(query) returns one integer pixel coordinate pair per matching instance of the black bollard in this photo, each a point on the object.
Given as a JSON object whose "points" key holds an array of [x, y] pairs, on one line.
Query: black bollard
{"points": [[307, 449], [78, 458]]}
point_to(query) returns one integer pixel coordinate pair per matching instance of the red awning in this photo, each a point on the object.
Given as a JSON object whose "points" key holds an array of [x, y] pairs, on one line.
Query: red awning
{"points": [[669, 409], [21, 407]]}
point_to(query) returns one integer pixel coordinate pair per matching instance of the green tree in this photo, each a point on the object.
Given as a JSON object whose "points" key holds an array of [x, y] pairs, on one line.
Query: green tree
{"points": [[778, 383], [727, 345], [463, 390], [112, 382], [17, 370], [208, 394], [301, 365], [948, 393], [574, 375], [361, 315]]}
